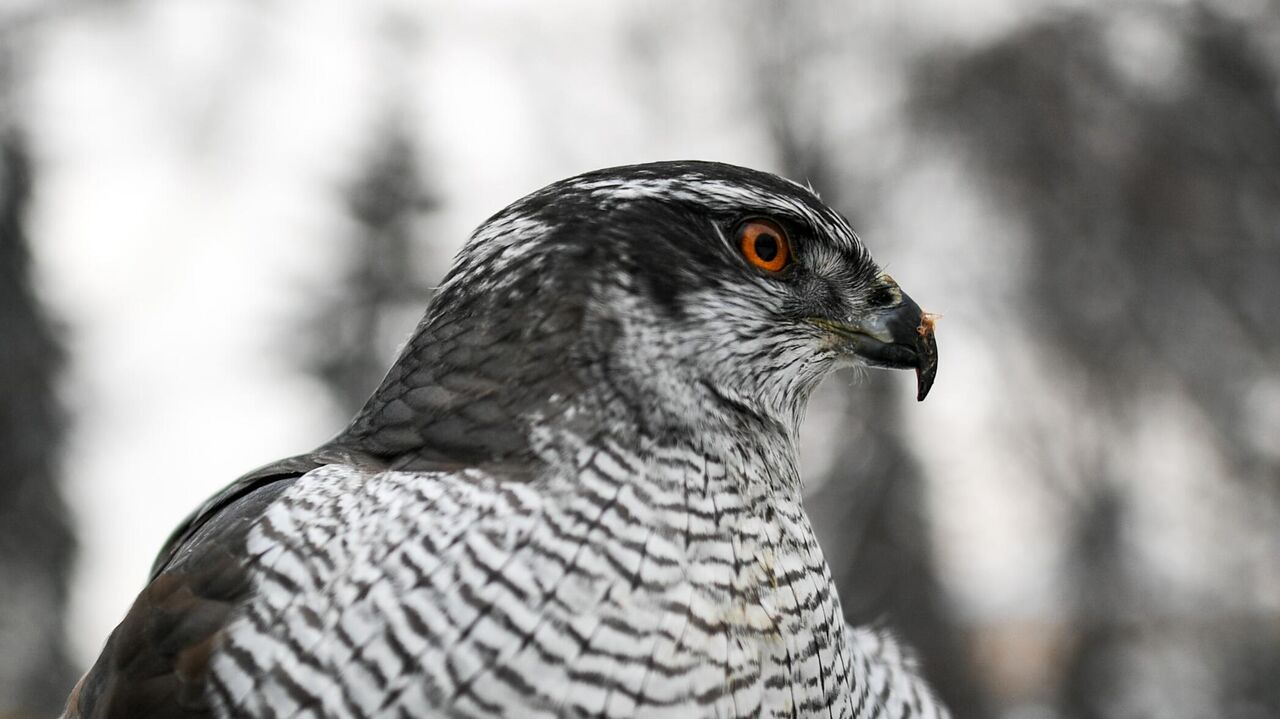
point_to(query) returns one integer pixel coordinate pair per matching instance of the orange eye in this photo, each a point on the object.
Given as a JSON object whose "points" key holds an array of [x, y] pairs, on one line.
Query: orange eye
{"points": [[764, 244]]}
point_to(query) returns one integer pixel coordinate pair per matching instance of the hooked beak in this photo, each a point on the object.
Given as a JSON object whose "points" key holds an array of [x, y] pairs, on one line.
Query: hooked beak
{"points": [[896, 336]]}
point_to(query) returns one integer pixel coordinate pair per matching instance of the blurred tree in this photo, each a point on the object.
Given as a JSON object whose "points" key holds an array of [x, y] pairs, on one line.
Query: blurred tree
{"points": [[1094, 669], [1154, 202], [359, 319], [869, 512], [36, 544], [1142, 149]]}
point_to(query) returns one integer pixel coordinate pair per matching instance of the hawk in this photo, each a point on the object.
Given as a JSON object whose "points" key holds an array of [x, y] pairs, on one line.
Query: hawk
{"points": [[575, 493]]}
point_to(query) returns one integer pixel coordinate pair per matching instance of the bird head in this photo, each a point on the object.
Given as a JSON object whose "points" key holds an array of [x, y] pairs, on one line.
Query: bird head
{"points": [[668, 284]]}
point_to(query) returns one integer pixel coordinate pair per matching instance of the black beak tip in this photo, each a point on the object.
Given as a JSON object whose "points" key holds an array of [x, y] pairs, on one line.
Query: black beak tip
{"points": [[926, 357]]}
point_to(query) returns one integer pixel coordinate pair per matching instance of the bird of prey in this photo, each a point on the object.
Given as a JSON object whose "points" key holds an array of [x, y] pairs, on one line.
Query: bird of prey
{"points": [[575, 493]]}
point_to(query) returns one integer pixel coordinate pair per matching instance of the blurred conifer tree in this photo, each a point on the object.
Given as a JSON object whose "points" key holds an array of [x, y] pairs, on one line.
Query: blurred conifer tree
{"points": [[36, 543], [357, 321]]}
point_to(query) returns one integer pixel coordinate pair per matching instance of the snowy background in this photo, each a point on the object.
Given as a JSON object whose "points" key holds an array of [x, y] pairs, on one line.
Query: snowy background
{"points": [[227, 215]]}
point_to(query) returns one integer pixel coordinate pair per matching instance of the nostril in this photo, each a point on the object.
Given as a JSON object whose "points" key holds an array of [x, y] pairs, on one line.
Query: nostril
{"points": [[881, 297], [885, 293]]}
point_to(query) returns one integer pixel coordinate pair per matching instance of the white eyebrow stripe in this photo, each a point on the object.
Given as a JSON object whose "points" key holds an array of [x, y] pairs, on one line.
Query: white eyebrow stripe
{"points": [[719, 194]]}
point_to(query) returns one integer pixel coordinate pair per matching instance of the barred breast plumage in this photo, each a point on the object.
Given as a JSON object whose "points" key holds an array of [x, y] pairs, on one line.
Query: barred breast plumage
{"points": [[575, 495]]}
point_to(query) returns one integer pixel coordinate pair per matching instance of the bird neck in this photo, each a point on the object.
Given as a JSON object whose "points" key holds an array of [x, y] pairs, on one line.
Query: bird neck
{"points": [[699, 431], [465, 419], [479, 386]]}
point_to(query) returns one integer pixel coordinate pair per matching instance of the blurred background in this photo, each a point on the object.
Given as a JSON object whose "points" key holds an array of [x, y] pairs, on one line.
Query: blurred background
{"points": [[218, 220]]}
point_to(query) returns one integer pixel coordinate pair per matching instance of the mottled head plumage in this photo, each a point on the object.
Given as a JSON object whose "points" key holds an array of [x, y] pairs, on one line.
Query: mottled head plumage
{"points": [[628, 278]]}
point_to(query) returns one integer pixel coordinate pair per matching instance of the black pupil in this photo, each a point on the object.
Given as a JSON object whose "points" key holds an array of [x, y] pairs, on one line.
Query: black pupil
{"points": [[766, 246]]}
